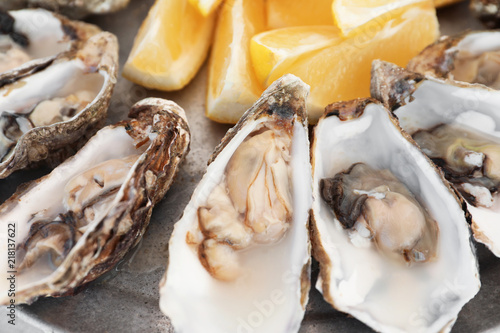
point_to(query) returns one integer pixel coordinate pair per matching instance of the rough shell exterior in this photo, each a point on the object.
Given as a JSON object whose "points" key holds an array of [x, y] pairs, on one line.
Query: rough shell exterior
{"points": [[70, 8], [126, 222], [434, 59], [282, 100], [53, 144], [438, 59], [77, 32], [391, 84]]}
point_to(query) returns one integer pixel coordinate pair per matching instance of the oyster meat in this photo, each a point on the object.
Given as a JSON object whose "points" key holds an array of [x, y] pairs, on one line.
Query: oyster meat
{"points": [[456, 125], [376, 203], [472, 57], [47, 115], [76, 223], [470, 159], [239, 258], [70, 8], [388, 231]]}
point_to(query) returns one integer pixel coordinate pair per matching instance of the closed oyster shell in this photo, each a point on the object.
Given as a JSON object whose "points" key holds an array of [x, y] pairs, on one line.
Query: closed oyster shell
{"points": [[71, 8], [90, 70], [356, 275], [230, 275], [76, 223]]}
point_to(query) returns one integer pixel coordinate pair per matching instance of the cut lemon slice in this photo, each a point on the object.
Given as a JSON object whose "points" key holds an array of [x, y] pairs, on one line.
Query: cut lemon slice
{"points": [[170, 46], [232, 83], [206, 7], [350, 15], [342, 72], [282, 47], [289, 13]]}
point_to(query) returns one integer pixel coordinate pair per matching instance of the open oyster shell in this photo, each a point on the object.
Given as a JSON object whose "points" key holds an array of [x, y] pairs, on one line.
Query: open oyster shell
{"points": [[70, 8], [30, 39], [76, 223], [357, 275], [472, 57], [46, 115], [239, 258], [456, 125]]}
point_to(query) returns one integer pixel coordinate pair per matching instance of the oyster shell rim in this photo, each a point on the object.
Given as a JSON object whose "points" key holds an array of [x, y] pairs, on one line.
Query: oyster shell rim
{"points": [[78, 31], [38, 144], [68, 9], [386, 76], [346, 111], [438, 58], [169, 122], [266, 106]]}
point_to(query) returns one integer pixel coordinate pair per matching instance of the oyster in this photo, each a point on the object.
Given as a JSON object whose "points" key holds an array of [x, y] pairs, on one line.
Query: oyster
{"points": [[472, 57], [456, 125], [375, 204], [488, 11], [70, 8], [31, 39], [74, 224], [48, 114], [388, 231], [239, 257]]}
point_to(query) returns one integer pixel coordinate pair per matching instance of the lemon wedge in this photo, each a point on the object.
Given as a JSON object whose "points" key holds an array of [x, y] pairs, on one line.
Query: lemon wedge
{"points": [[232, 84], [170, 47], [341, 71], [206, 7], [351, 15], [289, 13], [281, 47]]}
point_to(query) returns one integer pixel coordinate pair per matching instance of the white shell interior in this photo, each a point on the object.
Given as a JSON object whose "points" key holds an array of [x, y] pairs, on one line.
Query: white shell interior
{"points": [[109, 143], [44, 31], [58, 80], [266, 297], [479, 42], [387, 295], [436, 102]]}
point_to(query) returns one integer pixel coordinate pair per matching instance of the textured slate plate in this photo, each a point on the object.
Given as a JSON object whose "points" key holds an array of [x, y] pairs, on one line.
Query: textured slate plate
{"points": [[126, 299]]}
